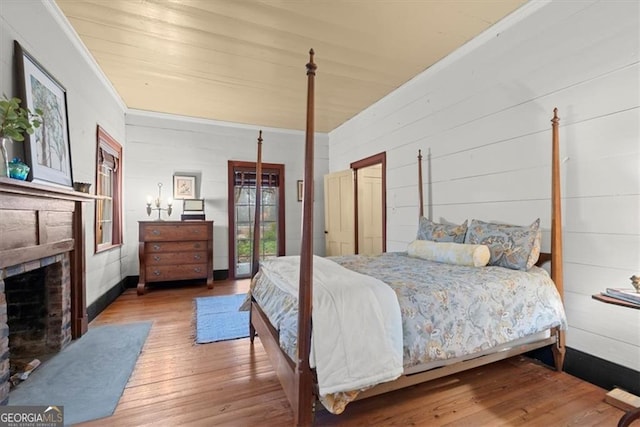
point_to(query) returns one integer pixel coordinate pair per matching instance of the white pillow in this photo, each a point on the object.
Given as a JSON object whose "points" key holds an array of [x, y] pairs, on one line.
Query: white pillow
{"points": [[450, 253]]}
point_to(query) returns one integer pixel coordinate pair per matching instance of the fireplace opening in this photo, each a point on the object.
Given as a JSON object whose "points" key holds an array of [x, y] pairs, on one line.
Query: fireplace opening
{"points": [[26, 317], [38, 316]]}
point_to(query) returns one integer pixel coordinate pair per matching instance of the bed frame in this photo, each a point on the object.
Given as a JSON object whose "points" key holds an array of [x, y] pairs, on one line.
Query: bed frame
{"points": [[297, 378]]}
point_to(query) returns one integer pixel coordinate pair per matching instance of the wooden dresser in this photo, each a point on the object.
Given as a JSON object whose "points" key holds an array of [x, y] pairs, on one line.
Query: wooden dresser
{"points": [[175, 250]]}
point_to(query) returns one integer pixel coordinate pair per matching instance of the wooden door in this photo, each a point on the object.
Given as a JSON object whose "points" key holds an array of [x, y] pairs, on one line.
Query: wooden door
{"points": [[339, 213], [370, 210]]}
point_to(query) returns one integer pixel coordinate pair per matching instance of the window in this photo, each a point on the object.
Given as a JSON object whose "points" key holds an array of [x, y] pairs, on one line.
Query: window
{"points": [[242, 194], [109, 192]]}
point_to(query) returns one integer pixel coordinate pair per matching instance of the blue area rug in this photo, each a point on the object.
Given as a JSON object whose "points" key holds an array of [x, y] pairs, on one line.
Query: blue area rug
{"points": [[218, 318], [88, 376]]}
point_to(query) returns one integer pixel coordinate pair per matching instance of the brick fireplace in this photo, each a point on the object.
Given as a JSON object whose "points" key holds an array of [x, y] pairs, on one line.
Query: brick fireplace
{"points": [[42, 274]]}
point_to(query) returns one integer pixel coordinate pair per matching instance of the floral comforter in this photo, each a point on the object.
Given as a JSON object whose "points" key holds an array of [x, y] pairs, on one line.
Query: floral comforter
{"points": [[447, 310]]}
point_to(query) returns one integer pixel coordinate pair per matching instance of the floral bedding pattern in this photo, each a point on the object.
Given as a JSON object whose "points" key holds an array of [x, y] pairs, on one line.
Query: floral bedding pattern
{"points": [[447, 310], [450, 311], [511, 246], [429, 230]]}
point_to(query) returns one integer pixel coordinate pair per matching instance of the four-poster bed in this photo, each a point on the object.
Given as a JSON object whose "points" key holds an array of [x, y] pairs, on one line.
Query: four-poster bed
{"points": [[276, 300]]}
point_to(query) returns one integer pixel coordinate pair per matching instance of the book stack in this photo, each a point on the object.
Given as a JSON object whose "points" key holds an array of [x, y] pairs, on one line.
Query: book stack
{"points": [[630, 296]]}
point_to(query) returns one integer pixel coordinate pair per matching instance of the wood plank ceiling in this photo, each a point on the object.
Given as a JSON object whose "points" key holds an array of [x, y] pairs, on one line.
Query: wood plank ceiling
{"points": [[244, 61]]}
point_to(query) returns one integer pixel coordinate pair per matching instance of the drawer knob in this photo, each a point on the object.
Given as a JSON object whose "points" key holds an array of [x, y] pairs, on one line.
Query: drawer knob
{"points": [[156, 247], [156, 273], [156, 258], [197, 269], [197, 256], [196, 245], [155, 232]]}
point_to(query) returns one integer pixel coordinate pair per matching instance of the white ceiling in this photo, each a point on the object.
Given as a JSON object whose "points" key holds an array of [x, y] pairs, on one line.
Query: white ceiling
{"points": [[244, 60]]}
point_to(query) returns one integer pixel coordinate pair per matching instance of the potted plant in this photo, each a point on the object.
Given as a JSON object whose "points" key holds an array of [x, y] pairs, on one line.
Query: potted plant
{"points": [[14, 122]]}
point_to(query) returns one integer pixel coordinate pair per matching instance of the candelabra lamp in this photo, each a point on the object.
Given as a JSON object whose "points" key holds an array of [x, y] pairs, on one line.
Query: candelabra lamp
{"points": [[155, 205]]}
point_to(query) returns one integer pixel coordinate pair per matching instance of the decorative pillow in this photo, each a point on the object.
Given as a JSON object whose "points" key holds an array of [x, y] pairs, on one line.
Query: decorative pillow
{"points": [[429, 230], [450, 253], [510, 245], [535, 250]]}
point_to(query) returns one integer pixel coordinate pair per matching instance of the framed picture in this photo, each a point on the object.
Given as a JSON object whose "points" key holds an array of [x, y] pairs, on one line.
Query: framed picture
{"points": [[300, 190], [184, 187], [196, 205], [47, 150]]}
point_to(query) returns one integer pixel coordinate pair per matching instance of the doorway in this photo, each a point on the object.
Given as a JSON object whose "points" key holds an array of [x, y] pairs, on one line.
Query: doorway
{"points": [[370, 204], [369, 211], [242, 201], [355, 208]]}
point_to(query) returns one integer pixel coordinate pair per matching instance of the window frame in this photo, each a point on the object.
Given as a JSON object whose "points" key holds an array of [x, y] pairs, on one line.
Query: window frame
{"points": [[106, 143]]}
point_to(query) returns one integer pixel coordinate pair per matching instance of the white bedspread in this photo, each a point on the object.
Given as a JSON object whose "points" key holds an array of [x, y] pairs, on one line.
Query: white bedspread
{"points": [[351, 348]]}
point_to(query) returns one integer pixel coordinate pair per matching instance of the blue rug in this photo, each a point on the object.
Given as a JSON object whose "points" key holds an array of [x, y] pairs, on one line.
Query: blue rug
{"points": [[88, 376], [218, 318]]}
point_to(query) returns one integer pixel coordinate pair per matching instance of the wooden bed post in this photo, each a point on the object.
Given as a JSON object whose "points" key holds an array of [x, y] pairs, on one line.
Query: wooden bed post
{"points": [[255, 255], [303, 410], [420, 184], [556, 216], [556, 234]]}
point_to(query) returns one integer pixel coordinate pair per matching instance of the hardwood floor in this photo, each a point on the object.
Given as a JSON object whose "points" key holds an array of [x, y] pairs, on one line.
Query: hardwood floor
{"points": [[176, 382]]}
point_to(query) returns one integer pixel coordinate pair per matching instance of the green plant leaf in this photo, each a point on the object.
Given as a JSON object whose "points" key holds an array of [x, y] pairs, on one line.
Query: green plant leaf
{"points": [[15, 121]]}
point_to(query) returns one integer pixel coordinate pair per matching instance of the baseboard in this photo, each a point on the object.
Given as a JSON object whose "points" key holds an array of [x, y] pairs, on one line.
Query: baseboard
{"points": [[129, 282], [600, 372], [220, 274], [105, 299], [595, 370], [132, 281]]}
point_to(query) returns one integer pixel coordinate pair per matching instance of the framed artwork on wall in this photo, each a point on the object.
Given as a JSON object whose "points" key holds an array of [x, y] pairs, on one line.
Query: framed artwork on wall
{"points": [[48, 149], [184, 187]]}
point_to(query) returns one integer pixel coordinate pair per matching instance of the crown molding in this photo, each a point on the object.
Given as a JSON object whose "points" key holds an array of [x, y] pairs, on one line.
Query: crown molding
{"points": [[210, 122]]}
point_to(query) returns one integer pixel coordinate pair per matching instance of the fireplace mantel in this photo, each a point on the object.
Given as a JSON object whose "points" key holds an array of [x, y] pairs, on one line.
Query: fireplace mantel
{"points": [[15, 186], [39, 221]]}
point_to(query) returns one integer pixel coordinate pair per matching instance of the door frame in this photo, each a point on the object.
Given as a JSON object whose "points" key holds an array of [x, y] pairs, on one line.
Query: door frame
{"points": [[380, 158], [232, 164]]}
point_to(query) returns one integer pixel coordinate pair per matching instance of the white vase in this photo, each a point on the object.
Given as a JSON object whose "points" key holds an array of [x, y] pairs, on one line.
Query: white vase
{"points": [[4, 156]]}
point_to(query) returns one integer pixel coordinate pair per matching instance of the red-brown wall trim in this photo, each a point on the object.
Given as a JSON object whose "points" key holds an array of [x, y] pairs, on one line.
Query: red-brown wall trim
{"points": [[380, 158]]}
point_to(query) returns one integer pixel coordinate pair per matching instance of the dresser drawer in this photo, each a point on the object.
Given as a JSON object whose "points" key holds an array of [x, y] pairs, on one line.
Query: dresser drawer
{"points": [[164, 232], [175, 250], [174, 246], [160, 273], [169, 258]]}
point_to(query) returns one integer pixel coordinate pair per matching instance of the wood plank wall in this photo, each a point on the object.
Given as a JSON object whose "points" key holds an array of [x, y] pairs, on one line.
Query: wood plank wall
{"points": [[484, 115]]}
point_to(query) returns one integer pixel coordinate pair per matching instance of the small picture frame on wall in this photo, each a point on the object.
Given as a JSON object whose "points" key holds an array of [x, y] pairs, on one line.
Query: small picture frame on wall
{"points": [[48, 149], [300, 189], [184, 187]]}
